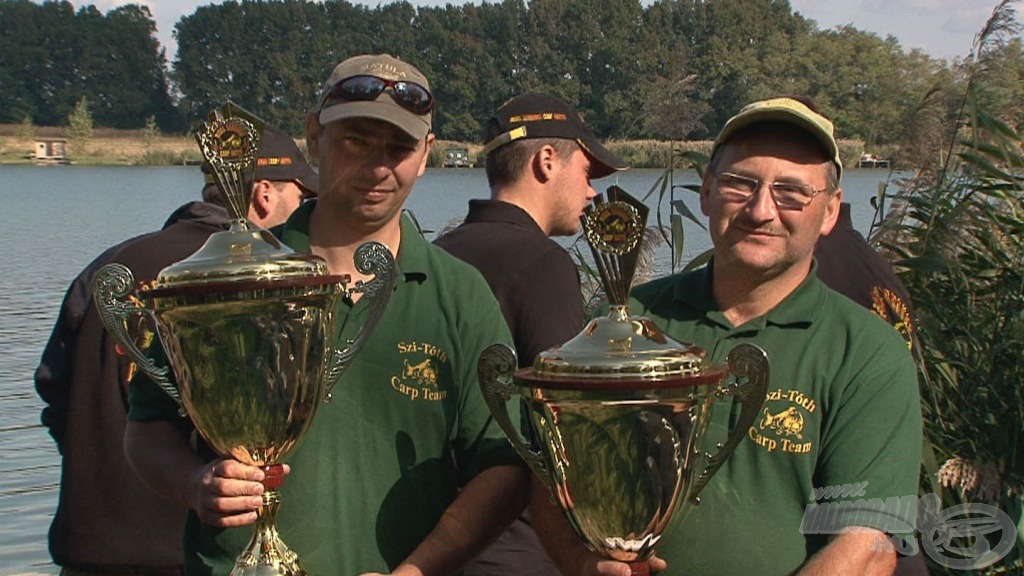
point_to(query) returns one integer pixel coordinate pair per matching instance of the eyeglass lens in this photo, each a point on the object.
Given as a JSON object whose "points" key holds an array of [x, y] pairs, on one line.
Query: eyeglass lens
{"points": [[786, 194]]}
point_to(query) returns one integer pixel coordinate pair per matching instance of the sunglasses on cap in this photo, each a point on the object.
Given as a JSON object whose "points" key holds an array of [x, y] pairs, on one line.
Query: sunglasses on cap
{"points": [[408, 95]]}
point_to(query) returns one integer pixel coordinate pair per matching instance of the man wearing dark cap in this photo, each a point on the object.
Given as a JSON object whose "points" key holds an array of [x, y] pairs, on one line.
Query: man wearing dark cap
{"points": [[404, 472], [283, 179], [829, 473], [540, 159], [107, 520]]}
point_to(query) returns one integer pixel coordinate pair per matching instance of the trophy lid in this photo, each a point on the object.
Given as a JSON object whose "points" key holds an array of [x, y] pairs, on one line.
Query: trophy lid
{"points": [[618, 349], [243, 257]]}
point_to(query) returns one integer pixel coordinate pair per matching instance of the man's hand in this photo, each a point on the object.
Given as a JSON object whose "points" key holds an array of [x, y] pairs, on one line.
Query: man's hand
{"points": [[601, 567], [226, 493]]}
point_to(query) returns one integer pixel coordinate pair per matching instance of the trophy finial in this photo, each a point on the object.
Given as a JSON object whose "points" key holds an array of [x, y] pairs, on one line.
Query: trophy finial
{"points": [[229, 141], [614, 231]]}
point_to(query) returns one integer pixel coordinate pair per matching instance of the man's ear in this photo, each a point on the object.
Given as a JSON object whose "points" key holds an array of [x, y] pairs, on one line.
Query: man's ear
{"points": [[832, 210], [705, 192], [428, 144], [313, 136], [544, 163], [262, 198]]}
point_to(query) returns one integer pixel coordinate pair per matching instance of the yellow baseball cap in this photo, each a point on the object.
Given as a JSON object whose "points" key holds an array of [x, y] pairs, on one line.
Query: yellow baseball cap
{"points": [[787, 110]]}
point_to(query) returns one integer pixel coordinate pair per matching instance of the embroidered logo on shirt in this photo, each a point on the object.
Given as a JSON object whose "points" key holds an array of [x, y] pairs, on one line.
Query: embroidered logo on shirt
{"points": [[893, 310], [418, 379], [781, 427], [140, 330]]}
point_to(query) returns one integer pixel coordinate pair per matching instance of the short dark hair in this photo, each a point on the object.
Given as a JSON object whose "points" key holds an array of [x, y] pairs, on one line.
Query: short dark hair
{"points": [[505, 164]]}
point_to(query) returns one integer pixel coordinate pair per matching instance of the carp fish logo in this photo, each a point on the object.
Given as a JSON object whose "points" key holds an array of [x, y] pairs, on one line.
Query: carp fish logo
{"points": [[783, 420], [423, 373], [789, 422], [419, 378]]}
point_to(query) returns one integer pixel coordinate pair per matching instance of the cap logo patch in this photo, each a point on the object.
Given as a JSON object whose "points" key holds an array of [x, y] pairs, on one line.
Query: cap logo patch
{"points": [[274, 161], [537, 117], [383, 70]]}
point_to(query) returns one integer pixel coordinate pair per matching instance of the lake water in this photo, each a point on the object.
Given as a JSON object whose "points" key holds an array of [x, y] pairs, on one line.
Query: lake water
{"points": [[56, 219]]}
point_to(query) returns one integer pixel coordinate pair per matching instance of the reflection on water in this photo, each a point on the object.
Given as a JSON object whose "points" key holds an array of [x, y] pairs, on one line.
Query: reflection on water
{"points": [[57, 219]]}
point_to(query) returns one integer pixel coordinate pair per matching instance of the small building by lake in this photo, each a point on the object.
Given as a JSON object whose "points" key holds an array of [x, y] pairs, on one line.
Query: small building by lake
{"points": [[50, 151]]}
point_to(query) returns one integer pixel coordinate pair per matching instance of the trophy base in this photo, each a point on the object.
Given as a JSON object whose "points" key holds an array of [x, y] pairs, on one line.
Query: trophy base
{"points": [[266, 554]]}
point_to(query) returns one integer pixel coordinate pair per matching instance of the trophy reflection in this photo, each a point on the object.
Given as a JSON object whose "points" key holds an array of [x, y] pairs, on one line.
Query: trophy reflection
{"points": [[618, 417], [248, 328]]}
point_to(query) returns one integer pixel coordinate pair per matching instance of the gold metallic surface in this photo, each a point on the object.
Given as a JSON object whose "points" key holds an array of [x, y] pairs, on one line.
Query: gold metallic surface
{"points": [[618, 416], [247, 325]]}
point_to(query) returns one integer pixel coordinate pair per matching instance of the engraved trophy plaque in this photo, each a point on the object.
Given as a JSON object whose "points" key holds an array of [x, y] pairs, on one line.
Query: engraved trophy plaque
{"points": [[247, 326], [618, 416]]}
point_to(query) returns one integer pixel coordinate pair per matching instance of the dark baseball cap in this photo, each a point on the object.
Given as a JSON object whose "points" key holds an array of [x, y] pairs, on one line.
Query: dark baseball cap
{"points": [[279, 160], [536, 115]]}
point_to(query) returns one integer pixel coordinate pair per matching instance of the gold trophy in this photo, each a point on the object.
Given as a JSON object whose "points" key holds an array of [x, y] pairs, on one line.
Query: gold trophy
{"points": [[618, 417], [247, 325]]}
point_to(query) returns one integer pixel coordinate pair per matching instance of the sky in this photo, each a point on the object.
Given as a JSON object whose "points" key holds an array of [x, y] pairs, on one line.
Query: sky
{"points": [[941, 28]]}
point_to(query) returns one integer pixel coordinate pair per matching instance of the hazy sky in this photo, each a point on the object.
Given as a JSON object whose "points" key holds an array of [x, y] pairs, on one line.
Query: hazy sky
{"points": [[942, 28]]}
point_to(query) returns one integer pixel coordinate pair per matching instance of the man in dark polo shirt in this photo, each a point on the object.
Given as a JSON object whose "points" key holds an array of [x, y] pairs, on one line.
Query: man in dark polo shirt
{"points": [[540, 159], [850, 266], [107, 521]]}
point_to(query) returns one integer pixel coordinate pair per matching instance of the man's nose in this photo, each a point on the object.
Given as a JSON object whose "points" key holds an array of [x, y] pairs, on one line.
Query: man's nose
{"points": [[762, 204]]}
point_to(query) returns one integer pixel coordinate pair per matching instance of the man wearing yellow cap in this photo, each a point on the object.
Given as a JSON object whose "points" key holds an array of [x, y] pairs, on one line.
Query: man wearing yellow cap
{"points": [[829, 474]]}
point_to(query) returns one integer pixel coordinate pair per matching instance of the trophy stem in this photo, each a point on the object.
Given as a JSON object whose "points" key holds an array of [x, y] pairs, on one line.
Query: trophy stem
{"points": [[266, 554]]}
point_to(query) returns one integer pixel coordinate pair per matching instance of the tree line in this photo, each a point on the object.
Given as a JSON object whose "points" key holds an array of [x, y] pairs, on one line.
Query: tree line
{"points": [[671, 70]]}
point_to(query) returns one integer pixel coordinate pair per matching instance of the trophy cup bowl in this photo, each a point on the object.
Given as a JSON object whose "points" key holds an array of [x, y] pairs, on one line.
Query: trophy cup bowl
{"points": [[617, 418], [247, 326]]}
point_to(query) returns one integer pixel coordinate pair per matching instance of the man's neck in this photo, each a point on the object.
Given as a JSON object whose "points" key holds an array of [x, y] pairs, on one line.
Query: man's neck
{"points": [[743, 297], [528, 200], [336, 240]]}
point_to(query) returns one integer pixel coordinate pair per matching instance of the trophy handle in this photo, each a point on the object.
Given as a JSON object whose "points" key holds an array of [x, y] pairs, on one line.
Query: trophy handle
{"points": [[495, 370], [750, 362], [370, 258], [111, 288]]}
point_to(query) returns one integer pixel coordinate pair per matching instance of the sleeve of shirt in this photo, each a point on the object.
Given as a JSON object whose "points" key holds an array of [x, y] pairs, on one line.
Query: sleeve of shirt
{"points": [[480, 443], [53, 375], [873, 438], [550, 305]]}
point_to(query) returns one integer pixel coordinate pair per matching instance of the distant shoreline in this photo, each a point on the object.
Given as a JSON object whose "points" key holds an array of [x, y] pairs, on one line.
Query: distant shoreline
{"points": [[114, 147]]}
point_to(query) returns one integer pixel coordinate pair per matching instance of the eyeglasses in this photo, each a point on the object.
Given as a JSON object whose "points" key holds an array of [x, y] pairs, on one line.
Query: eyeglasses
{"points": [[408, 95], [787, 195]]}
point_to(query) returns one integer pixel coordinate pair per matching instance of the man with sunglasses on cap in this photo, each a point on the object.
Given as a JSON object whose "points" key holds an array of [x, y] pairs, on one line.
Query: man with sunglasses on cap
{"points": [[829, 473], [541, 157], [404, 471], [107, 521]]}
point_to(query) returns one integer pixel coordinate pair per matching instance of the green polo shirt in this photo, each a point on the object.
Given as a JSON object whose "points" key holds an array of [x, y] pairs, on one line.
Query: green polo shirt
{"points": [[406, 428], [837, 443]]}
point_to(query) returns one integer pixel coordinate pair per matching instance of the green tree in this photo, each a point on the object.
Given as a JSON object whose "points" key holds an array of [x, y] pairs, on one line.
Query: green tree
{"points": [[151, 131], [27, 130], [80, 127]]}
